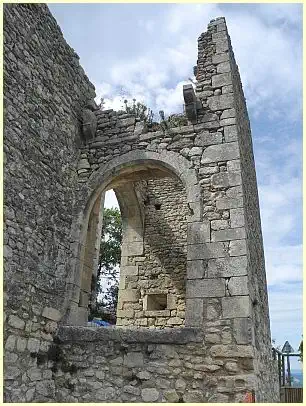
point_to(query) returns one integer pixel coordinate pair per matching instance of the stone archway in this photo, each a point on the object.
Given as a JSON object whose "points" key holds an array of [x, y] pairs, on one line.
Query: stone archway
{"points": [[135, 166]]}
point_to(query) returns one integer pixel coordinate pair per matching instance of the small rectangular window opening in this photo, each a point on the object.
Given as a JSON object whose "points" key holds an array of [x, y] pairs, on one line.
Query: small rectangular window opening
{"points": [[156, 302]]}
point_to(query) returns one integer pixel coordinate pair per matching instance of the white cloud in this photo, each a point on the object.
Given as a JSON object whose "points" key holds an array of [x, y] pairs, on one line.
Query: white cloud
{"points": [[284, 264], [270, 65], [286, 309], [269, 59], [186, 18]]}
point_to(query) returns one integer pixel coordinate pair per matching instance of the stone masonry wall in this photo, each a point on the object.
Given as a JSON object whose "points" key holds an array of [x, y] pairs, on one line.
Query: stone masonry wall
{"points": [[162, 268], [218, 356], [45, 90], [220, 268], [144, 365], [255, 252]]}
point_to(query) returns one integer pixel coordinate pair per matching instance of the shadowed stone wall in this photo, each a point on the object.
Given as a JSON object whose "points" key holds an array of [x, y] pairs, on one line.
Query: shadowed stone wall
{"points": [[160, 272], [45, 90], [54, 185]]}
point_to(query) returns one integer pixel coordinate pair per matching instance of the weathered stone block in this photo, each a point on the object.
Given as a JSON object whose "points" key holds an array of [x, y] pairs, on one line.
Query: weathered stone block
{"points": [[205, 288], [238, 286], [228, 122], [230, 133], [242, 331], [227, 89], [233, 166], [131, 389], [208, 170], [133, 360], [131, 249], [143, 375], [195, 151], [237, 248], [171, 396], [122, 282], [206, 138], [149, 394], [130, 270], [10, 343], [205, 251], [171, 301], [219, 224], [157, 313], [126, 122], [46, 388], [224, 203], [221, 102], [234, 192], [222, 152], [196, 269], [51, 313], [228, 234], [237, 217], [180, 384], [16, 322], [230, 350], [228, 114], [223, 67], [11, 372], [238, 306], [212, 338], [129, 295], [220, 58], [128, 313], [33, 345], [193, 396], [10, 358], [219, 36], [227, 267], [226, 179], [204, 94], [221, 46], [194, 312], [198, 232], [221, 79]]}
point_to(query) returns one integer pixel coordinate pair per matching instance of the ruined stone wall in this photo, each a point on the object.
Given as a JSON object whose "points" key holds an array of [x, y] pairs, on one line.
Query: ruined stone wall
{"points": [[49, 201], [144, 365], [237, 127], [220, 269], [255, 252], [162, 268], [45, 90]]}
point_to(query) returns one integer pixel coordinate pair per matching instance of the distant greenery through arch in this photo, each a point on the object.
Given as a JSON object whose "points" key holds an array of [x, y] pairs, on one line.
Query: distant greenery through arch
{"points": [[108, 268]]}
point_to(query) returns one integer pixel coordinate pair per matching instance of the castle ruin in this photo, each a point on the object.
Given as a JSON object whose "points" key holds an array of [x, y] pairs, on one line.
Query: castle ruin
{"points": [[192, 318]]}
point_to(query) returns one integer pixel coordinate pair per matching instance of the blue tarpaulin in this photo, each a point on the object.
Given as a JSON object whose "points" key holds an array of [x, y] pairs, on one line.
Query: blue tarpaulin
{"points": [[100, 322]]}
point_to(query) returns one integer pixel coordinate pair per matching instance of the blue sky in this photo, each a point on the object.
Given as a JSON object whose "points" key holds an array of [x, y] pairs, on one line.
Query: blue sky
{"points": [[148, 51]]}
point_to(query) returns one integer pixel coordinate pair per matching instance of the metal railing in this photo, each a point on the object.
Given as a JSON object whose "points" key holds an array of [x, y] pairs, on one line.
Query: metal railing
{"points": [[288, 394]]}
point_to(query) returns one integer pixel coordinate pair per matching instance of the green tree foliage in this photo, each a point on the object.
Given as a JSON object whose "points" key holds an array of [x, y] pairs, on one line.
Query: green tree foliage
{"points": [[108, 268]]}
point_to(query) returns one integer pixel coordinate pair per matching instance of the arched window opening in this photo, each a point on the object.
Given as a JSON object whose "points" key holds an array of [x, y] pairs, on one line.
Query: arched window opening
{"points": [[151, 278]]}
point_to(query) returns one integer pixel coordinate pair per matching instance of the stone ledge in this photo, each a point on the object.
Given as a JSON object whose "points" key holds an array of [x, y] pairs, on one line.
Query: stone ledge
{"points": [[71, 334]]}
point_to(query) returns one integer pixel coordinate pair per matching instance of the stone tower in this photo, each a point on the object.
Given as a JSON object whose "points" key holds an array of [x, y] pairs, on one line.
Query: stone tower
{"points": [[193, 321]]}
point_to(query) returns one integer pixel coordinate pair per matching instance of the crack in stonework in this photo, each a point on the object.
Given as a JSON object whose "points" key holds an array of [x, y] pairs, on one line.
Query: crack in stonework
{"points": [[227, 291]]}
